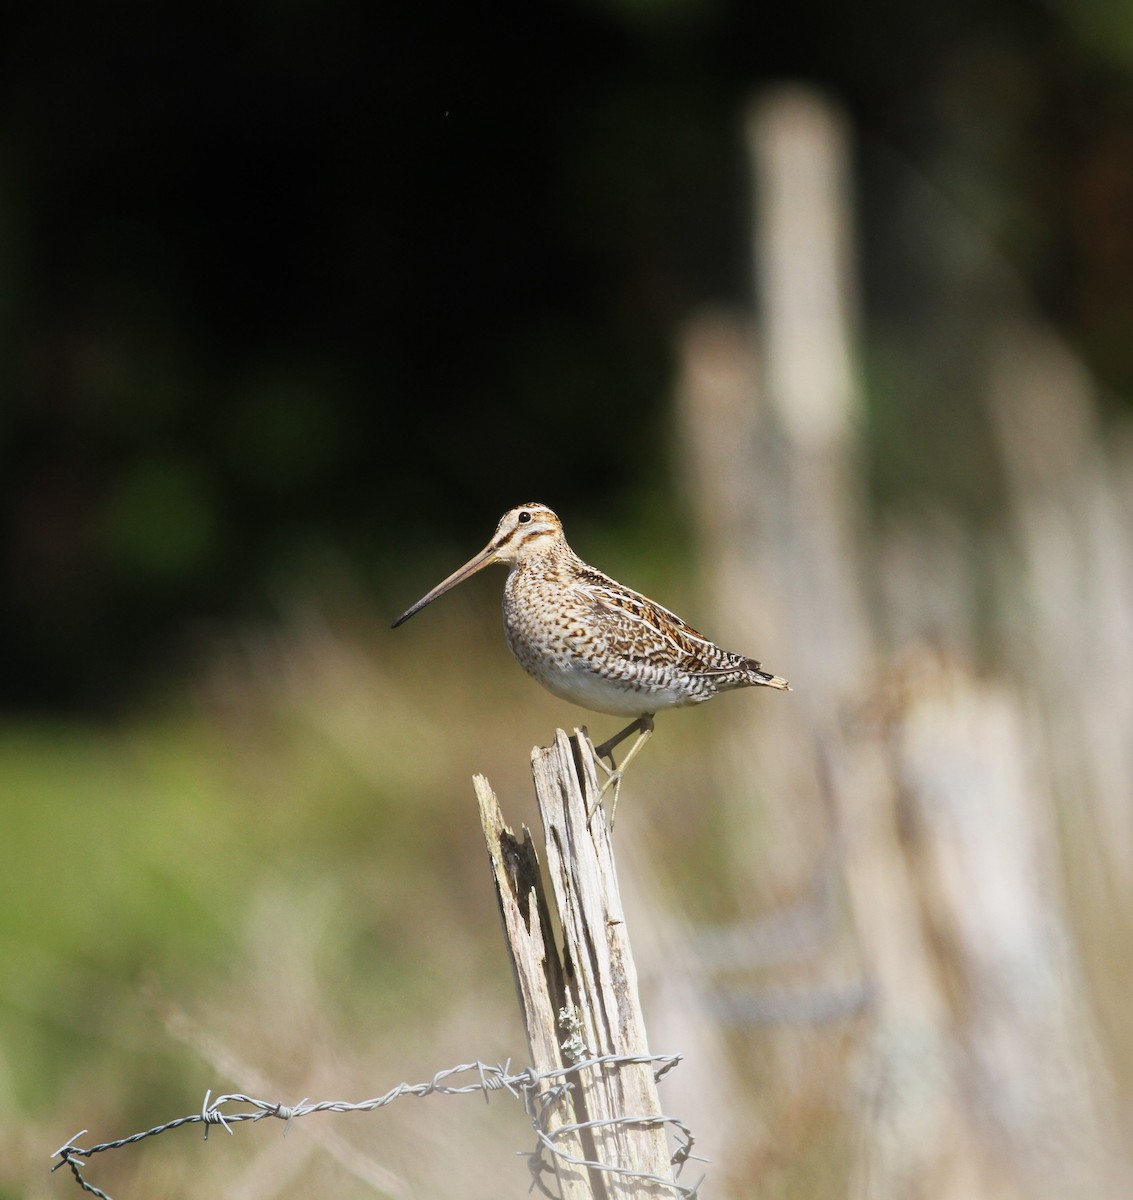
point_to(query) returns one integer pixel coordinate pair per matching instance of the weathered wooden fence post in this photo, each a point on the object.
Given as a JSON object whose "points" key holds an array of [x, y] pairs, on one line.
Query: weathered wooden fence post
{"points": [[579, 1003]]}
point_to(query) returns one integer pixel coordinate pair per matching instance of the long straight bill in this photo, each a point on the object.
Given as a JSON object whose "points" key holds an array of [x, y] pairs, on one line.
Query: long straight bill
{"points": [[485, 558]]}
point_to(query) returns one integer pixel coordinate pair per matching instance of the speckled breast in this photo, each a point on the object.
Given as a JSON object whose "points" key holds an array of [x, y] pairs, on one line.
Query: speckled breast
{"points": [[557, 643]]}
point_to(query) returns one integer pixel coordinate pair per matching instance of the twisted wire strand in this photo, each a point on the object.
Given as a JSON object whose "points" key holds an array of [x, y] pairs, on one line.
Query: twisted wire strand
{"points": [[527, 1085]]}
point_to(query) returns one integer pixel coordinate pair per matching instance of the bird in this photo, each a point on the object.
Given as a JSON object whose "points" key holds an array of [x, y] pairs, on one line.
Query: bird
{"points": [[595, 642]]}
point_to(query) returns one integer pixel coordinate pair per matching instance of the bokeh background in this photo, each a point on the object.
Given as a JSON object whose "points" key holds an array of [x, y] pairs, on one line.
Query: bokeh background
{"points": [[814, 324]]}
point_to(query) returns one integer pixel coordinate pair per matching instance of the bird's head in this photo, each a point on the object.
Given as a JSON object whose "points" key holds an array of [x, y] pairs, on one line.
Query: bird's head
{"points": [[522, 531]]}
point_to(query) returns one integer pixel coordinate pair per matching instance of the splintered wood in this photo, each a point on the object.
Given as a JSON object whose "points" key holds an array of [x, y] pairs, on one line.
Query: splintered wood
{"points": [[580, 1003]]}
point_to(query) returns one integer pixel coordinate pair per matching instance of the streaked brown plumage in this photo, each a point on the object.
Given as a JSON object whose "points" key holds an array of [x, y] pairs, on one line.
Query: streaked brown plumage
{"points": [[589, 639]]}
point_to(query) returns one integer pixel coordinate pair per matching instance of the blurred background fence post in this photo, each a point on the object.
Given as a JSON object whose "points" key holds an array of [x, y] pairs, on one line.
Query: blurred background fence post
{"points": [[977, 1075]]}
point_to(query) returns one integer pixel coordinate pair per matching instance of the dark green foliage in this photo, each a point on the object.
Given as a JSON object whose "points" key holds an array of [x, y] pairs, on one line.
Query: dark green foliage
{"points": [[280, 280]]}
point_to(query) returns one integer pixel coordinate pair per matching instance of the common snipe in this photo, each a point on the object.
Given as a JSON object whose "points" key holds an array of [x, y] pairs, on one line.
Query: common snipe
{"points": [[594, 642]]}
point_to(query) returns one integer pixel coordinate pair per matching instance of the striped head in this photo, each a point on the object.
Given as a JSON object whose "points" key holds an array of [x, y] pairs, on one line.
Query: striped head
{"points": [[523, 531], [528, 529]]}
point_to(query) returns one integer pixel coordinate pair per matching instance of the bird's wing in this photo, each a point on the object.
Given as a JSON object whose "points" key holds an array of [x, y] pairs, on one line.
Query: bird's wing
{"points": [[632, 628]]}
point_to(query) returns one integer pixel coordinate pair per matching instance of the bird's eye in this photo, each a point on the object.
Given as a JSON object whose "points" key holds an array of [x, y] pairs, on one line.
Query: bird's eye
{"points": [[524, 517]]}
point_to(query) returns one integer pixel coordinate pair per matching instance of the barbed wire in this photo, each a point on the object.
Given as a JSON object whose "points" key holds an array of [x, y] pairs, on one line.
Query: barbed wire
{"points": [[528, 1085]]}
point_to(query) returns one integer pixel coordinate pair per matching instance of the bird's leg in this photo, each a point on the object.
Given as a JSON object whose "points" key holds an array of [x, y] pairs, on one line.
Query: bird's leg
{"points": [[643, 727], [606, 749]]}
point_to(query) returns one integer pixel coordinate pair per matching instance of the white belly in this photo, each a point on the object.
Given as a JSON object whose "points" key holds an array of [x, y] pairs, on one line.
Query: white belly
{"points": [[574, 682]]}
